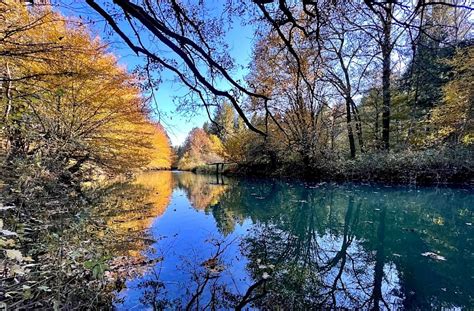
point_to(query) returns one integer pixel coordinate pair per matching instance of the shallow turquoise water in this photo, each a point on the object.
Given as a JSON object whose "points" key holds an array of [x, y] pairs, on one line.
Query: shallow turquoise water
{"points": [[260, 244]]}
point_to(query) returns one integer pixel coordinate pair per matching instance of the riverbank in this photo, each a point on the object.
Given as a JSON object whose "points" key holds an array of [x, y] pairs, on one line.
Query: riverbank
{"points": [[65, 250], [427, 167]]}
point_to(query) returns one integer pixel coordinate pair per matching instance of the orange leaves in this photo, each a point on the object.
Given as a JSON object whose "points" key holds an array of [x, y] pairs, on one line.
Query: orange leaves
{"points": [[69, 92], [200, 148], [160, 154]]}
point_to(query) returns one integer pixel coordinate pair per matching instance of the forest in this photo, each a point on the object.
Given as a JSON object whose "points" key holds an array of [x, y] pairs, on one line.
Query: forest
{"points": [[371, 91], [367, 93]]}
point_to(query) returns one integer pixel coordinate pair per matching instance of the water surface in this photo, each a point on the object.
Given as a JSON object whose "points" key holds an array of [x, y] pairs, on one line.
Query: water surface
{"points": [[221, 243]]}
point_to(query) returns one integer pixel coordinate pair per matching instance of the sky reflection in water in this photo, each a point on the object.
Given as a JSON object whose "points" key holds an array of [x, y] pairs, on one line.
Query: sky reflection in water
{"points": [[241, 243]]}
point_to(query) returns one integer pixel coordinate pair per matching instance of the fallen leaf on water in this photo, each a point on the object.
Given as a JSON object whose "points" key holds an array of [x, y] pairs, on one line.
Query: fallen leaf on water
{"points": [[433, 256]]}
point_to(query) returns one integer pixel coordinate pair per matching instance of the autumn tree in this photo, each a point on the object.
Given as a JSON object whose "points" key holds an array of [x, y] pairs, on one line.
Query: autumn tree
{"points": [[452, 120], [68, 105], [310, 59], [224, 122], [160, 153], [200, 148], [296, 99]]}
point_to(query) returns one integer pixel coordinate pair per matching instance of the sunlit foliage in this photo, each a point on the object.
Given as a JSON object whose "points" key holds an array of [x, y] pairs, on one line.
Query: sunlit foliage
{"points": [[200, 148], [68, 101], [453, 120]]}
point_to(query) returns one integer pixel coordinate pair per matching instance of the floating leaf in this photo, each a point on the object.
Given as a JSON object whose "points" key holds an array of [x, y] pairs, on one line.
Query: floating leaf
{"points": [[434, 256]]}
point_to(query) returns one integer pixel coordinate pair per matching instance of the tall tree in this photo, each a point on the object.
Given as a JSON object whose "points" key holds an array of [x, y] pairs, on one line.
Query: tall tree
{"points": [[200, 59], [224, 121], [452, 120], [68, 104]]}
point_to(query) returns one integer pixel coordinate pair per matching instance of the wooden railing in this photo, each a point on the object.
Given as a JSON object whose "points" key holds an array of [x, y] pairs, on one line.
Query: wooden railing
{"points": [[217, 164]]}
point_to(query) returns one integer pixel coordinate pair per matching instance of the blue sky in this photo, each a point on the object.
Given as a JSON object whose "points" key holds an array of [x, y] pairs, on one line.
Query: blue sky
{"points": [[177, 124]]}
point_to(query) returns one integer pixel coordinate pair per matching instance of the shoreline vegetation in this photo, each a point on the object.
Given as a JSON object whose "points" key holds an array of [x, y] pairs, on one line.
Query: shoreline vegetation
{"points": [[448, 166], [77, 125]]}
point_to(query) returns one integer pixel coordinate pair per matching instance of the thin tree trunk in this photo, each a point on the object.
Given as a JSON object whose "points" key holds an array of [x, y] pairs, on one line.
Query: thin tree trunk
{"points": [[333, 120], [8, 94], [349, 128], [358, 125], [386, 73]]}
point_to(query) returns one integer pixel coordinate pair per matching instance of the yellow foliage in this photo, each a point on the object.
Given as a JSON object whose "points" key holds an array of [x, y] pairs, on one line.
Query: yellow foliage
{"points": [[454, 118], [216, 145], [71, 98], [158, 186], [158, 189], [160, 154], [200, 149], [202, 190]]}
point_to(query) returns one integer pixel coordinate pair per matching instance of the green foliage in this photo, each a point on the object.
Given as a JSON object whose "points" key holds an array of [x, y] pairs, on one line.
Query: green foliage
{"points": [[224, 125], [97, 267], [441, 165]]}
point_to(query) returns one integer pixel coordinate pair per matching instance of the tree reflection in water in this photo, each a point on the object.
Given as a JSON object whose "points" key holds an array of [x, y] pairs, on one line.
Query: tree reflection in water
{"points": [[292, 245], [202, 190], [312, 265]]}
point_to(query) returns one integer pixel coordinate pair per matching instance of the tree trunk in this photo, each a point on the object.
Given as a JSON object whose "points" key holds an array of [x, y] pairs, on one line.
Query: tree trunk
{"points": [[333, 121], [8, 94], [349, 128], [386, 73], [358, 125], [15, 143]]}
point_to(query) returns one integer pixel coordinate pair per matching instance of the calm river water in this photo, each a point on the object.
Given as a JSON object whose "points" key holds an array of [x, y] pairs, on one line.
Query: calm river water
{"points": [[220, 243]]}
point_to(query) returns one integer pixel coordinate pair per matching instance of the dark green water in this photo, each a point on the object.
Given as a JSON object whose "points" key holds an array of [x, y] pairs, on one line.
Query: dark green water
{"points": [[260, 244]]}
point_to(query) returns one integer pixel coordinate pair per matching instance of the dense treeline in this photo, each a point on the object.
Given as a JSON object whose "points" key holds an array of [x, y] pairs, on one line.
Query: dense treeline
{"points": [[68, 108], [366, 97]]}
